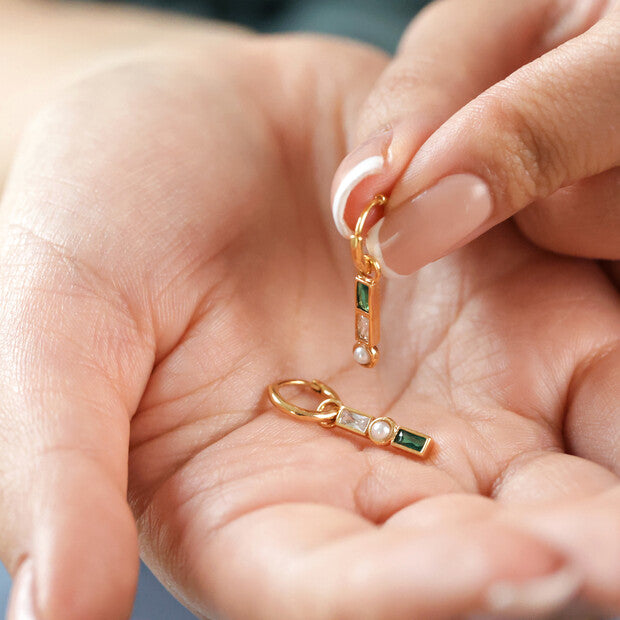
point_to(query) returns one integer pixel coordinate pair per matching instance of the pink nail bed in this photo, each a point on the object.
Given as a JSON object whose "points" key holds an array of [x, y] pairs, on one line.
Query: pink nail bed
{"points": [[425, 227]]}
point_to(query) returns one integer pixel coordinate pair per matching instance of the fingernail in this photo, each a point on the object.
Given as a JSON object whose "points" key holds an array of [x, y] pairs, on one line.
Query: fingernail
{"points": [[21, 605], [534, 597], [426, 227], [367, 159]]}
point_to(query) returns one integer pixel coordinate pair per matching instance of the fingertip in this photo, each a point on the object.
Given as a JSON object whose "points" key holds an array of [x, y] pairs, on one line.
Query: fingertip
{"points": [[348, 178], [534, 597], [21, 604], [371, 168], [578, 528]]}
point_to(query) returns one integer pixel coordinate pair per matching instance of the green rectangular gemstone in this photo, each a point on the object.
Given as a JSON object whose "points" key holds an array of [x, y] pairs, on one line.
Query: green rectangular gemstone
{"points": [[362, 296], [410, 441]]}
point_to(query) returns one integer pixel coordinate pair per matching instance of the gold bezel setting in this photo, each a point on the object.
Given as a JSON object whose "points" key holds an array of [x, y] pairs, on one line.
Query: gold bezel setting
{"points": [[370, 355], [393, 427], [366, 299], [331, 412]]}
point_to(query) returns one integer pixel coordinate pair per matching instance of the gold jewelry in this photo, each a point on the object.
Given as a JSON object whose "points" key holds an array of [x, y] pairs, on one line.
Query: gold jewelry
{"points": [[367, 324], [331, 412]]}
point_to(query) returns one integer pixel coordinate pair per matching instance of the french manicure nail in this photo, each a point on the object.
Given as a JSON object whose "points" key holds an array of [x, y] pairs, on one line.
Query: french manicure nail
{"points": [[21, 606], [535, 597], [367, 159], [427, 226]]}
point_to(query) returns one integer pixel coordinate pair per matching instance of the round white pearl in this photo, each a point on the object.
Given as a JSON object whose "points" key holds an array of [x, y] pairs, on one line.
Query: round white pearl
{"points": [[379, 431], [361, 355]]}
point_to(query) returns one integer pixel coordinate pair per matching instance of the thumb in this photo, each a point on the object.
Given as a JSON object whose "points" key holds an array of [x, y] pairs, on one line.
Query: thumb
{"points": [[72, 367], [495, 152]]}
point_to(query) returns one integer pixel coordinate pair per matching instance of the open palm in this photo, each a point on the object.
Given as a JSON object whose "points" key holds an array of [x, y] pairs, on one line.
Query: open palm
{"points": [[172, 215]]}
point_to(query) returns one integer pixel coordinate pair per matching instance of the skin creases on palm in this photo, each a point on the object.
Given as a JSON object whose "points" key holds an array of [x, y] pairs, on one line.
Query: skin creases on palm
{"points": [[479, 351], [240, 507], [478, 354]]}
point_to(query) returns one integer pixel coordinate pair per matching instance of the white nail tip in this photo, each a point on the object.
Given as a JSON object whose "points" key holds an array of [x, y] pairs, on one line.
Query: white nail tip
{"points": [[540, 596], [367, 167], [374, 248]]}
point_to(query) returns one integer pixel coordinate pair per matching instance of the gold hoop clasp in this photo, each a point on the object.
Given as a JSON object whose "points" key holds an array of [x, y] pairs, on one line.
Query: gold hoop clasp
{"points": [[322, 413], [365, 263]]}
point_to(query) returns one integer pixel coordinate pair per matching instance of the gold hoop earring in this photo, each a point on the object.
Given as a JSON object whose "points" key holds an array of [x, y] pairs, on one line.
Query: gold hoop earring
{"points": [[382, 431], [367, 293]]}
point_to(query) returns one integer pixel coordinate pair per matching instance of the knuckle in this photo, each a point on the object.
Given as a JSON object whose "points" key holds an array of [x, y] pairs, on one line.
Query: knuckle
{"points": [[408, 87], [529, 156], [399, 83], [390, 98]]}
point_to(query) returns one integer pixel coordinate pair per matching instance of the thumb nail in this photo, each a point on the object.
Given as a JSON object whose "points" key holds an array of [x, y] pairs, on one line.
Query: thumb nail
{"points": [[21, 605], [431, 224]]}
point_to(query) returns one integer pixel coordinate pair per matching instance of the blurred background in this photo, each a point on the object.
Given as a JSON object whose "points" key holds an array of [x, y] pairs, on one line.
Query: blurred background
{"points": [[153, 601], [379, 22]]}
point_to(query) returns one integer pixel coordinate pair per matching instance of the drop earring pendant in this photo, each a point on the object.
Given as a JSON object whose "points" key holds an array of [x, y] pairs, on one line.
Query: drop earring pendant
{"points": [[367, 293], [332, 412]]}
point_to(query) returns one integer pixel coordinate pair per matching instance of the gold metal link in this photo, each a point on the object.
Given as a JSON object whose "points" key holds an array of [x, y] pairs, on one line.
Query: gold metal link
{"points": [[320, 414], [364, 262]]}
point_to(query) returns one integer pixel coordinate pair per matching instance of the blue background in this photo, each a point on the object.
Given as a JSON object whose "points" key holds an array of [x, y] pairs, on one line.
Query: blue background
{"points": [[153, 601]]}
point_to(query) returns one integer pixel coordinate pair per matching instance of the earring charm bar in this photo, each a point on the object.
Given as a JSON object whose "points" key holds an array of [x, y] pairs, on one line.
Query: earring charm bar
{"points": [[382, 431], [367, 293]]}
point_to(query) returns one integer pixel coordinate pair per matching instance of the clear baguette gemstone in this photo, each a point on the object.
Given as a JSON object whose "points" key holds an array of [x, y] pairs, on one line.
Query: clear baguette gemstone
{"points": [[353, 420], [362, 327]]}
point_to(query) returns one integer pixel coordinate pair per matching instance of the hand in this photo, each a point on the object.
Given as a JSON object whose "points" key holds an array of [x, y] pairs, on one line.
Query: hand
{"points": [[165, 255], [493, 109]]}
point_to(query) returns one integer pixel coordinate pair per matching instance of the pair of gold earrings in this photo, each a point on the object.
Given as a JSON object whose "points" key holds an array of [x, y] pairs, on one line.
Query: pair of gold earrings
{"points": [[331, 412]]}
